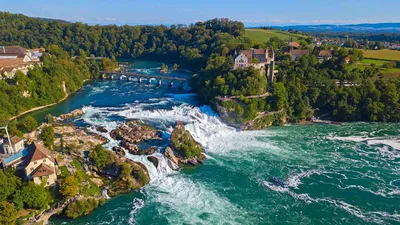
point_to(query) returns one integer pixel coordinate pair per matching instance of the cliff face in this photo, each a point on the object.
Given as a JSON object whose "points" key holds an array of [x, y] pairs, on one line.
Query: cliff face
{"points": [[262, 120]]}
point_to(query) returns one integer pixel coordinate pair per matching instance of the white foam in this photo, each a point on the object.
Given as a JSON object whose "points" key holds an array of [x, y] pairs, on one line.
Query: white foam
{"points": [[295, 180], [394, 142], [137, 204]]}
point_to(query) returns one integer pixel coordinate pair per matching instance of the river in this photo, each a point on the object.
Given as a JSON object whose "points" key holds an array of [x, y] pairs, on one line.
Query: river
{"points": [[346, 174]]}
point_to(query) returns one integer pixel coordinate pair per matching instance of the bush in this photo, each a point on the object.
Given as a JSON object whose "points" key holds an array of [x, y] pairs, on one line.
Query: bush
{"points": [[48, 136], [27, 124], [80, 208], [101, 157]]}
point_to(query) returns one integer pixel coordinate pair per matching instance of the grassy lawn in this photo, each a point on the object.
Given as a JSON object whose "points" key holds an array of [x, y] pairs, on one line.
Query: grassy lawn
{"points": [[64, 171], [389, 73], [75, 163], [260, 35], [382, 54]]}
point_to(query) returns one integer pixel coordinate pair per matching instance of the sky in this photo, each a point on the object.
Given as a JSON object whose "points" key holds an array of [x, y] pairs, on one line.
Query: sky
{"points": [[251, 12]]}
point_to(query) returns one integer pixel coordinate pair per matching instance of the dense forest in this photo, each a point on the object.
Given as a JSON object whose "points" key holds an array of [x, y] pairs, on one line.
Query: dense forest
{"points": [[189, 46], [59, 76], [304, 86]]}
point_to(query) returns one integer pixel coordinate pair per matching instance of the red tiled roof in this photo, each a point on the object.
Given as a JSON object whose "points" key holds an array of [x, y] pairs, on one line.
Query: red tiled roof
{"points": [[16, 49], [325, 53], [248, 53], [299, 52], [37, 152], [43, 170], [10, 62], [294, 44], [259, 51]]}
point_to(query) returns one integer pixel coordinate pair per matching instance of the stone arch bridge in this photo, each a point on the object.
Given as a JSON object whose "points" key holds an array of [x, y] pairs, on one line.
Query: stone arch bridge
{"points": [[144, 78]]}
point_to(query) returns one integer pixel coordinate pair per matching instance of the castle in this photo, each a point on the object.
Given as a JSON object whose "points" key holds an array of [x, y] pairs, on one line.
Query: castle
{"points": [[261, 59]]}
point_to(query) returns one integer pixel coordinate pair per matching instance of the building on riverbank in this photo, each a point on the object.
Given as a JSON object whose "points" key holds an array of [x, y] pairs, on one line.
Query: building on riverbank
{"points": [[40, 165], [262, 59], [17, 58], [12, 152], [13, 145]]}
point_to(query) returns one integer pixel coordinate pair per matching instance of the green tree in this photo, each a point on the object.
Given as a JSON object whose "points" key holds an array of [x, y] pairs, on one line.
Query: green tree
{"points": [[49, 119], [8, 213], [28, 124], [36, 196], [101, 157], [9, 183], [47, 136], [69, 187]]}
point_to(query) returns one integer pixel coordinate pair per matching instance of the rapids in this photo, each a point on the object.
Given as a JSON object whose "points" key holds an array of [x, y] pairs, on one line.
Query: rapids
{"points": [[346, 174]]}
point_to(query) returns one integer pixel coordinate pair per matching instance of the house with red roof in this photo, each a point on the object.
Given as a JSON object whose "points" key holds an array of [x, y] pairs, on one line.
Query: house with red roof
{"points": [[298, 53], [262, 59], [40, 165], [324, 55]]}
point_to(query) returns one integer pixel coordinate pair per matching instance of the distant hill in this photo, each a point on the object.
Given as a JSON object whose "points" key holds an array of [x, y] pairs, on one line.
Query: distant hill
{"points": [[378, 27], [260, 35], [51, 20]]}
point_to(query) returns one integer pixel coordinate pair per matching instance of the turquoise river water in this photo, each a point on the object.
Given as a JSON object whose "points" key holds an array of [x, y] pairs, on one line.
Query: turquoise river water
{"points": [[346, 174]]}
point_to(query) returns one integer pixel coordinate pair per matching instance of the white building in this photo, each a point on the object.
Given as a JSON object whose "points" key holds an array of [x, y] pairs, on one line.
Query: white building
{"points": [[16, 145], [261, 59]]}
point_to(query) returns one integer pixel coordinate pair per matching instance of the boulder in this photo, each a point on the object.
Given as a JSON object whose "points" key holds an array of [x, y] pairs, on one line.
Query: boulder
{"points": [[101, 129], [133, 149], [147, 151], [112, 170], [169, 153], [153, 160], [74, 114], [119, 151], [97, 181], [134, 132]]}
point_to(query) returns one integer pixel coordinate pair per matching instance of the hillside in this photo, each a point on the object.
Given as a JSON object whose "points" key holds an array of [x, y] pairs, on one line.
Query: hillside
{"points": [[260, 35], [378, 27], [382, 54]]}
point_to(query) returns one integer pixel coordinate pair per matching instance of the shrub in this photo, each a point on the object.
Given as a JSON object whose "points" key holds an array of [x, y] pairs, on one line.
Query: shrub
{"points": [[80, 208]]}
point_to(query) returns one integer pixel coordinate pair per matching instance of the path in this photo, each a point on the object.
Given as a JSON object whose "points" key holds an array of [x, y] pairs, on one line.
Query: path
{"points": [[266, 94]]}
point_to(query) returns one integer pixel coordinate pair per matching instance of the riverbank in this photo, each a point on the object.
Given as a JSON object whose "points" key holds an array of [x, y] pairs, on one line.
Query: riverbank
{"points": [[49, 105], [233, 185]]}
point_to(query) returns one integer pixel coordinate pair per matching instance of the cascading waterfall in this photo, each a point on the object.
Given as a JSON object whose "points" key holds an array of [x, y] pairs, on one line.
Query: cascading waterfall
{"points": [[324, 166]]}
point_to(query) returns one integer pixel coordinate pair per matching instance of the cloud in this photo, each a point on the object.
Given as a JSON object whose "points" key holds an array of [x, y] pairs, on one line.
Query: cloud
{"points": [[107, 19], [81, 19]]}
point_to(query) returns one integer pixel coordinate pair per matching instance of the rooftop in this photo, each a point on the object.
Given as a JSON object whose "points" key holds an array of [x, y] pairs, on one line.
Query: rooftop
{"points": [[15, 49], [325, 53], [299, 52], [14, 140], [43, 170], [37, 152]]}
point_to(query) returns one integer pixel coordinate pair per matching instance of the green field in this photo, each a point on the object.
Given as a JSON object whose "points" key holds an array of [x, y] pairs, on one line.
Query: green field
{"points": [[260, 35], [390, 73], [382, 54]]}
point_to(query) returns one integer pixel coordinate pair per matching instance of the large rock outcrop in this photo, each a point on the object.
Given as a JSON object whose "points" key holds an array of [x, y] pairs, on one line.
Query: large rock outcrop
{"points": [[262, 120], [134, 132], [74, 114], [184, 149], [76, 139]]}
